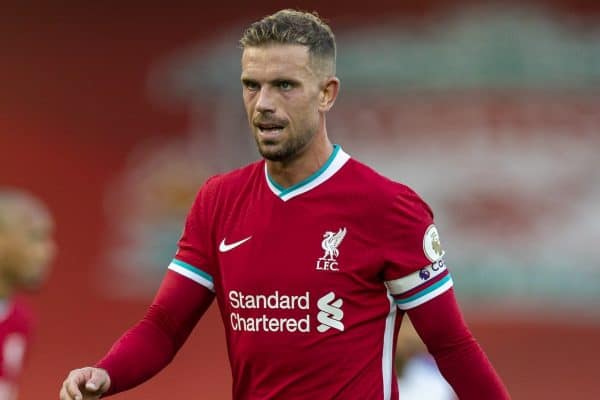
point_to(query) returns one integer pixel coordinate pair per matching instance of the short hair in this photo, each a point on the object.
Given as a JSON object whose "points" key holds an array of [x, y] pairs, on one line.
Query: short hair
{"points": [[293, 27], [13, 202]]}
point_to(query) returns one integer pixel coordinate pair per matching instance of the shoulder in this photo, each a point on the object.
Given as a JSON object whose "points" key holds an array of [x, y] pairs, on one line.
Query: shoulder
{"points": [[19, 318], [229, 182], [15, 334], [387, 194], [237, 175]]}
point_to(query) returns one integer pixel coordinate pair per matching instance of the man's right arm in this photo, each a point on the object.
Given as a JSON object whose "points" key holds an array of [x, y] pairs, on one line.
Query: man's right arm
{"points": [[148, 346]]}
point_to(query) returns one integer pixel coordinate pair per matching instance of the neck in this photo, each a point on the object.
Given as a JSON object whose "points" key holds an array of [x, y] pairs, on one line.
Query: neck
{"points": [[290, 172]]}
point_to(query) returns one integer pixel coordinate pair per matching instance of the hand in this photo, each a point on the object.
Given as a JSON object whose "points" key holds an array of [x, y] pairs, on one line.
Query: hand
{"points": [[85, 384]]}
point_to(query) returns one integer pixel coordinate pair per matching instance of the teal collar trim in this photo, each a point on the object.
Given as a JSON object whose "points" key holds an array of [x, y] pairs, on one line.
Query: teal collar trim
{"points": [[336, 160]]}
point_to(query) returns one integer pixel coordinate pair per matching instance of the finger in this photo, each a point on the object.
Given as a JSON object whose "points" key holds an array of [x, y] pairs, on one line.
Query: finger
{"points": [[92, 387], [98, 382], [63, 394], [72, 383]]}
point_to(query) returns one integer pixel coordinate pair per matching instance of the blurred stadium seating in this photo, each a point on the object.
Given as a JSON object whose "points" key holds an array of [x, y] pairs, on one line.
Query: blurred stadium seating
{"points": [[114, 113]]}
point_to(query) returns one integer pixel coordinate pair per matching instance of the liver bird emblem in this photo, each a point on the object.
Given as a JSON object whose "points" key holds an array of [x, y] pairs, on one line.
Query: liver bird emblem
{"points": [[331, 242]]}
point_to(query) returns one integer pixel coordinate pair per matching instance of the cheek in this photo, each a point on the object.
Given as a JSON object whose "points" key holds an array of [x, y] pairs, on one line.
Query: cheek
{"points": [[305, 111], [311, 114], [311, 107], [34, 265], [13, 251], [43, 252], [248, 101]]}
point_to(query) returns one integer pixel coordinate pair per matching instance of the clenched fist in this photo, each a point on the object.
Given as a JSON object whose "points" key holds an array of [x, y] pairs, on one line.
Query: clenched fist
{"points": [[85, 384]]}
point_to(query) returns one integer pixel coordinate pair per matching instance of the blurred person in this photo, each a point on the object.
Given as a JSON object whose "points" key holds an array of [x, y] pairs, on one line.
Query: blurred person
{"points": [[418, 375], [26, 248], [311, 255]]}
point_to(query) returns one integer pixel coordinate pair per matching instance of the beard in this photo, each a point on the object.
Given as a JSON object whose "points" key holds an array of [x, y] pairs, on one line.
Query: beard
{"points": [[284, 150]]}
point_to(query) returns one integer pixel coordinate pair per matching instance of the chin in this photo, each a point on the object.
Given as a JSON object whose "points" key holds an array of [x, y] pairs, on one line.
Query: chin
{"points": [[32, 282], [32, 285], [274, 154], [270, 151]]}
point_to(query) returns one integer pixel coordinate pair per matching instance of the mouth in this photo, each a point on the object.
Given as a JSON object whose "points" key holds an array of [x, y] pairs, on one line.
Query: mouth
{"points": [[269, 129]]}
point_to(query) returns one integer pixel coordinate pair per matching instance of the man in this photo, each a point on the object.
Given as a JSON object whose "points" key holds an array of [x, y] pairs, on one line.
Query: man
{"points": [[26, 247], [312, 256]]}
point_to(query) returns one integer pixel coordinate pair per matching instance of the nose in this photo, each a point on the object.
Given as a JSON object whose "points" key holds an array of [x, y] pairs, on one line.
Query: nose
{"points": [[265, 102]]}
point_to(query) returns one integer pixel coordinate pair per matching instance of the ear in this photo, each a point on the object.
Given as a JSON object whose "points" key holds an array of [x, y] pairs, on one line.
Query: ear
{"points": [[328, 93]]}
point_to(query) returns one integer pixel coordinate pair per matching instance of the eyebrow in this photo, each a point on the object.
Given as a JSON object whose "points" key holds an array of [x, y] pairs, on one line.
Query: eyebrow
{"points": [[248, 80], [276, 81]]}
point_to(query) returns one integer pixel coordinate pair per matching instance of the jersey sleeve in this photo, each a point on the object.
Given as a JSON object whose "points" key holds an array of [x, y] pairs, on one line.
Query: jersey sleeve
{"points": [[457, 353], [415, 271], [150, 345], [195, 257]]}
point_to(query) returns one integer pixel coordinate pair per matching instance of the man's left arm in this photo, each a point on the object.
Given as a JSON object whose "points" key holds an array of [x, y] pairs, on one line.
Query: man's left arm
{"points": [[417, 277], [440, 324]]}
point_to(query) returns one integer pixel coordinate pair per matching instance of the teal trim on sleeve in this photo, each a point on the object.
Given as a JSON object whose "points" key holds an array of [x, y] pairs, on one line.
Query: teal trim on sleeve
{"points": [[193, 269], [422, 293]]}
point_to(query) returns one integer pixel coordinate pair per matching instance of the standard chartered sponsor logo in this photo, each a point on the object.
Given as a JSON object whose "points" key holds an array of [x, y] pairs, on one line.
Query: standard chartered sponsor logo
{"points": [[264, 323], [331, 313], [275, 301], [244, 317]]}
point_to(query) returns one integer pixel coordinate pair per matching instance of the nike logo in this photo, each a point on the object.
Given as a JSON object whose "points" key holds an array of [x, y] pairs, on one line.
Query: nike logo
{"points": [[224, 247]]}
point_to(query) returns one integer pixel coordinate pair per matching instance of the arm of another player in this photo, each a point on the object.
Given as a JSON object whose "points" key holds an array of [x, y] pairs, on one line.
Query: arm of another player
{"points": [[146, 348], [8, 390], [460, 359]]}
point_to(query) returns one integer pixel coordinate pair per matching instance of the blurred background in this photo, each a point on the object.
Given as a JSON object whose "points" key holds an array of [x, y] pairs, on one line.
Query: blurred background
{"points": [[115, 112]]}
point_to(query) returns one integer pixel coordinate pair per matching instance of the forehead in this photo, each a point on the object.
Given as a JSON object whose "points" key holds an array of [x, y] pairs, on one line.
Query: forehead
{"points": [[273, 60]]}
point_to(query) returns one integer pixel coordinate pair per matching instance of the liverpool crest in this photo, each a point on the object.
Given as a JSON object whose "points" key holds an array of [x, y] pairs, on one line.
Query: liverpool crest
{"points": [[331, 242]]}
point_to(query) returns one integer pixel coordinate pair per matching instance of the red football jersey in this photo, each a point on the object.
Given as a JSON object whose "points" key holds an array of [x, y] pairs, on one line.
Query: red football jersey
{"points": [[15, 330], [309, 279]]}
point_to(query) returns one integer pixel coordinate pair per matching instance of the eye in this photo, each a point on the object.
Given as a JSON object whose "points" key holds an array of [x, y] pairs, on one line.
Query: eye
{"points": [[252, 86], [285, 85]]}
